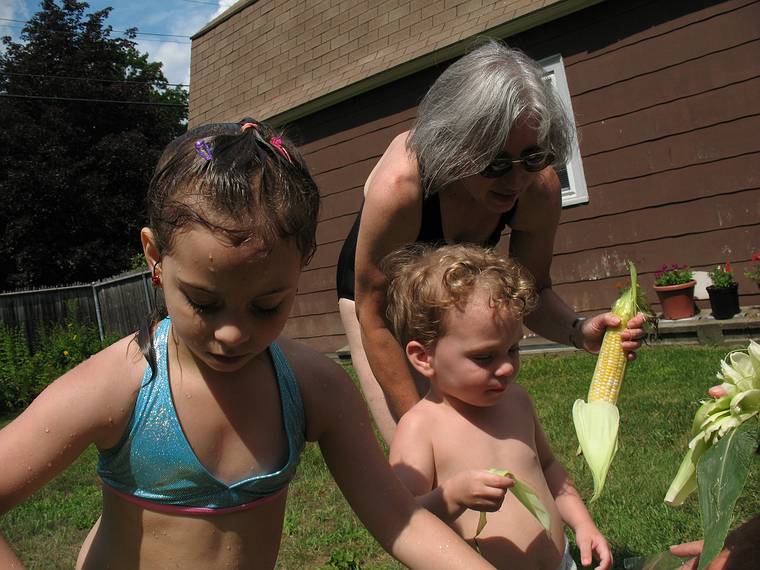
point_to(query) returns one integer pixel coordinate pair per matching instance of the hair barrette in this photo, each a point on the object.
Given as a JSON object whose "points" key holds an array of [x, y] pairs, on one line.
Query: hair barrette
{"points": [[203, 150], [276, 142]]}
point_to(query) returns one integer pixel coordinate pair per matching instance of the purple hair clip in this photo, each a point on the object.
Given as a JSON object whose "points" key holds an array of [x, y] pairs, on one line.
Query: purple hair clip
{"points": [[276, 142], [203, 150]]}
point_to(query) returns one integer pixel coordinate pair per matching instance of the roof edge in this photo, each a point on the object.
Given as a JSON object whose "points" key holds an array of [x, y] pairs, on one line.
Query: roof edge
{"points": [[531, 20], [223, 17]]}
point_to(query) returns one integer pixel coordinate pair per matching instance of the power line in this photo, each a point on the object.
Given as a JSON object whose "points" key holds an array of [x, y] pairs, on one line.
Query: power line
{"points": [[116, 31], [153, 103], [128, 81], [206, 3], [137, 39]]}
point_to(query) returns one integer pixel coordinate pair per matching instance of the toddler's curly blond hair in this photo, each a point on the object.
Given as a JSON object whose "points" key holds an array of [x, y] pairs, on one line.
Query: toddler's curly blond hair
{"points": [[424, 282]]}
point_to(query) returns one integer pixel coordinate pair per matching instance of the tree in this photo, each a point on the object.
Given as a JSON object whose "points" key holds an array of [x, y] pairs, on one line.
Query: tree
{"points": [[84, 117]]}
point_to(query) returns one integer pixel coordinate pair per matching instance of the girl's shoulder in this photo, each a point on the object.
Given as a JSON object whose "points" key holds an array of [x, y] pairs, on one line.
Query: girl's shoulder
{"points": [[113, 376], [326, 388]]}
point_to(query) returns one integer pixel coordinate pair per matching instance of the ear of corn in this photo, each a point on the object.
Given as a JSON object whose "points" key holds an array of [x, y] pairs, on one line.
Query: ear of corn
{"points": [[597, 421]]}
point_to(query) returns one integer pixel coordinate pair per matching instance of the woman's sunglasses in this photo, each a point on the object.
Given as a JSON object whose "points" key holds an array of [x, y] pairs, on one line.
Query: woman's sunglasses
{"points": [[532, 160]]}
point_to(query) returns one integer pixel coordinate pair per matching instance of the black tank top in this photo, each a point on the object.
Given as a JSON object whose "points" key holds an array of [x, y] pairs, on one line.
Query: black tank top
{"points": [[431, 231]]}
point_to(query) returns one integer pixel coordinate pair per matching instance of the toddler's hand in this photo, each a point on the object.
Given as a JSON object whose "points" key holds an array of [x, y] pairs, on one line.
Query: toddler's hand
{"points": [[591, 541], [478, 490]]}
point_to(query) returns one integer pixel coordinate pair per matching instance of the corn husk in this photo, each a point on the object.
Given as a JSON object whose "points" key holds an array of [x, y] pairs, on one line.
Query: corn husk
{"points": [[527, 496]]}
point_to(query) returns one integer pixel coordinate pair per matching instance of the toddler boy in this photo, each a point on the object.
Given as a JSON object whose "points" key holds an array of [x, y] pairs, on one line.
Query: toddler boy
{"points": [[458, 312]]}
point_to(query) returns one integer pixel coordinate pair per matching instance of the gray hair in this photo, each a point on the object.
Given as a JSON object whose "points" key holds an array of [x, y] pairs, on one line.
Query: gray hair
{"points": [[464, 119]]}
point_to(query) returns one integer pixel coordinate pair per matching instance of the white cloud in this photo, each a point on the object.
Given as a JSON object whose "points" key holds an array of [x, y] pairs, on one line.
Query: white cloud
{"points": [[176, 56], [223, 5], [12, 10]]}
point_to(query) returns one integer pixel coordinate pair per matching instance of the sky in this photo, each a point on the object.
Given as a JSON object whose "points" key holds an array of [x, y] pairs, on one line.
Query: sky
{"points": [[174, 20]]}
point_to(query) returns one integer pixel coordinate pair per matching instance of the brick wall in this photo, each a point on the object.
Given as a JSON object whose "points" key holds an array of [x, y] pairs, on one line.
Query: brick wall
{"points": [[262, 58]]}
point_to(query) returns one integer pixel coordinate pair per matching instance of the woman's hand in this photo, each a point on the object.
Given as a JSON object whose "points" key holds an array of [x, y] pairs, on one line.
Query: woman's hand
{"points": [[593, 330]]}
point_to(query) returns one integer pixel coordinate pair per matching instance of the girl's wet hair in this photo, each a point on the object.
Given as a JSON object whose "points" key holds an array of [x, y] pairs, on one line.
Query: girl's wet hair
{"points": [[240, 180], [464, 120], [425, 282]]}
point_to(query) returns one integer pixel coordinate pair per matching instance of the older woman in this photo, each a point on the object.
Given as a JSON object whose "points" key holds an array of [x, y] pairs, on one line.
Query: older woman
{"points": [[478, 159]]}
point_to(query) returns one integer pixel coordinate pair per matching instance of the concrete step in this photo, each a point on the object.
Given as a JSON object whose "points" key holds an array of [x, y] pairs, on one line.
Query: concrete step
{"points": [[702, 328]]}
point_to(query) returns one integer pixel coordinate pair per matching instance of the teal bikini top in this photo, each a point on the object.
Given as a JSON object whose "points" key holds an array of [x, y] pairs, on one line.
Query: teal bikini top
{"points": [[153, 464]]}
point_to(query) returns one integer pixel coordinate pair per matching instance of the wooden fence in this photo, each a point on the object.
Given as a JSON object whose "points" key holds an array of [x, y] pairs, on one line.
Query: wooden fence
{"points": [[116, 305]]}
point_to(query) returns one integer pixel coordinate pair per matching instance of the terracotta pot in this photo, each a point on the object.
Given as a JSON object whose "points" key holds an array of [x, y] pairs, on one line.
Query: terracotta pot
{"points": [[677, 300], [724, 301]]}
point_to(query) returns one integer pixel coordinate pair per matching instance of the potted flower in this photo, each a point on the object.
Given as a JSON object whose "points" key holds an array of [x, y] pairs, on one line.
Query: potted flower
{"points": [[724, 292], [674, 285], [753, 269]]}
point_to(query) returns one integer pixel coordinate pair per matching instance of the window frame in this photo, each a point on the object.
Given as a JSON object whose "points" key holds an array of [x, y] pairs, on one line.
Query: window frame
{"points": [[577, 191]]}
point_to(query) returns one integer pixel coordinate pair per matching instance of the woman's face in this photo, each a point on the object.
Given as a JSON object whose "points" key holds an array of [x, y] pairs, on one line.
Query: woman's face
{"points": [[500, 194]]}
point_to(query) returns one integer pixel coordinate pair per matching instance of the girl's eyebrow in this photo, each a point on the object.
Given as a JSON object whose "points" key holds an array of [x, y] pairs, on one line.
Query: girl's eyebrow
{"points": [[196, 287], [202, 289]]}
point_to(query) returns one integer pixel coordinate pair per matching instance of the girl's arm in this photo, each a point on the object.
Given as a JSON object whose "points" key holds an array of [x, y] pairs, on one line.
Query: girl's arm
{"points": [[390, 219], [411, 457], [338, 420], [570, 504], [531, 241], [88, 404]]}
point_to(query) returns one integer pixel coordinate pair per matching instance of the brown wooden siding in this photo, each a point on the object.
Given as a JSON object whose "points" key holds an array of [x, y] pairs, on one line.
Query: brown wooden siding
{"points": [[667, 102]]}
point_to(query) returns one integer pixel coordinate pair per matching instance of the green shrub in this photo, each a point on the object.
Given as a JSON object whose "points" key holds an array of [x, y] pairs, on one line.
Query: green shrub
{"points": [[15, 368], [60, 347]]}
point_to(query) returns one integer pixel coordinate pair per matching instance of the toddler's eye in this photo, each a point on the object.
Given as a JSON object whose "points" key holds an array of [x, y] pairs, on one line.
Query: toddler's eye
{"points": [[482, 358]]}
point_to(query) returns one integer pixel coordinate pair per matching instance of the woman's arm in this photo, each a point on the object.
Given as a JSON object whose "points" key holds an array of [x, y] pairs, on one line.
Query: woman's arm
{"points": [[534, 228], [338, 420], [390, 219]]}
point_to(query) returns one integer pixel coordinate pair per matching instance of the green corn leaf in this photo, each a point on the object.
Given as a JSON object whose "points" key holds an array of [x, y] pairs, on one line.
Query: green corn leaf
{"points": [[596, 425], [721, 474], [527, 496]]}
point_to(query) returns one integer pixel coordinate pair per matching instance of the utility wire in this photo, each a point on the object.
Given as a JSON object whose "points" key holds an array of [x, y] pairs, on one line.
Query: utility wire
{"points": [[136, 39], [206, 3], [127, 81], [153, 103], [116, 31]]}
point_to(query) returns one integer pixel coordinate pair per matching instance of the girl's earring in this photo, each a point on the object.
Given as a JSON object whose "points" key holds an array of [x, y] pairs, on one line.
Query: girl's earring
{"points": [[155, 278]]}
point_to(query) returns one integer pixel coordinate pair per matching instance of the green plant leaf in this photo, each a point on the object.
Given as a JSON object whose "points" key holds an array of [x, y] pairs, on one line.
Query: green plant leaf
{"points": [[721, 474]]}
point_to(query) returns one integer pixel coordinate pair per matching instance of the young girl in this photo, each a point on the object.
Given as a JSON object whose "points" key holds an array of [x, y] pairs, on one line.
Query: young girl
{"points": [[198, 445]]}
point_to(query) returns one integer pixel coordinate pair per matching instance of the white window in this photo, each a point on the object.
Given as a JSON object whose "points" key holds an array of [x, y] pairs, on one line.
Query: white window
{"points": [[573, 181]]}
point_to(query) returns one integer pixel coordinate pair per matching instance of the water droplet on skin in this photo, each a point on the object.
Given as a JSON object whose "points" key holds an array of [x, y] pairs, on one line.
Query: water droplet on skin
{"points": [[50, 464], [47, 430], [28, 467], [188, 396], [110, 420]]}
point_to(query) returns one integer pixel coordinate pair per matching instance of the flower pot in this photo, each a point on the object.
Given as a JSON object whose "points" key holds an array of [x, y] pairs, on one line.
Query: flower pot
{"points": [[724, 301], [677, 300]]}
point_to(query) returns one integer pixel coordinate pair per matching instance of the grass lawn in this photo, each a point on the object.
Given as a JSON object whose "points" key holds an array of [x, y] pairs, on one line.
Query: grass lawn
{"points": [[659, 398]]}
